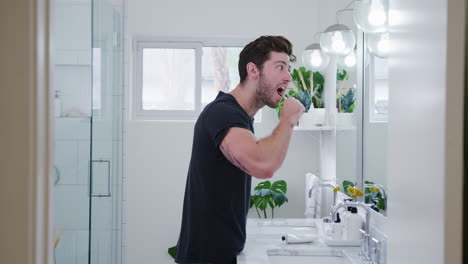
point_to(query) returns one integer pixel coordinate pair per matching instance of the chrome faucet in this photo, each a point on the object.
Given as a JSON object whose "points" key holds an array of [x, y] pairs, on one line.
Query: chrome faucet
{"points": [[366, 251], [381, 188], [324, 185]]}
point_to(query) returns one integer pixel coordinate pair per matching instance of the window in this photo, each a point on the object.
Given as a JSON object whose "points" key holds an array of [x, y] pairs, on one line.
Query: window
{"points": [[175, 80]]}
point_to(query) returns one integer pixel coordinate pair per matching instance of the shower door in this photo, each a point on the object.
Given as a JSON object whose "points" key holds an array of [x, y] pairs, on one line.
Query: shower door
{"points": [[106, 136], [88, 95]]}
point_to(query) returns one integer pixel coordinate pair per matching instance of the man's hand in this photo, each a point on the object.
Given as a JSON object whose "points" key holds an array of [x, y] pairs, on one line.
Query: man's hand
{"points": [[292, 110]]}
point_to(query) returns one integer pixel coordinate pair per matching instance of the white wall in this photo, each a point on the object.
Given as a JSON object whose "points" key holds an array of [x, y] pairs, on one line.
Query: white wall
{"points": [[154, 176], [425, 176]]}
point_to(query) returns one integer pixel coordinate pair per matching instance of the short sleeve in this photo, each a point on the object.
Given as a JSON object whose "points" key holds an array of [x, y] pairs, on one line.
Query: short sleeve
{"points": [[221, 116]]}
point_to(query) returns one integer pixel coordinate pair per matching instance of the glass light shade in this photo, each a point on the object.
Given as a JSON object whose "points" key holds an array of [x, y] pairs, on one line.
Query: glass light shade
{"points": [[348, 61], [371, 16], [313, 57], [378, 44], [337, 40]]}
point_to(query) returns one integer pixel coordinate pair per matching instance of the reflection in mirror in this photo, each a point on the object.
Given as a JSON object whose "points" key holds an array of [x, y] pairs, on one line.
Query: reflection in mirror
{"points": [[347, 92], [361, 151], [375, 119]]}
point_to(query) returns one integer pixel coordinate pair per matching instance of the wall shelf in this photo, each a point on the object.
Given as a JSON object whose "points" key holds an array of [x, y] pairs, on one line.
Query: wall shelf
{"points": [[322, 128]]}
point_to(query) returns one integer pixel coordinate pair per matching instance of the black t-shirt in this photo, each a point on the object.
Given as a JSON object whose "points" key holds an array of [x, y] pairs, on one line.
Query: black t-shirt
{"points": [[217, 193]]}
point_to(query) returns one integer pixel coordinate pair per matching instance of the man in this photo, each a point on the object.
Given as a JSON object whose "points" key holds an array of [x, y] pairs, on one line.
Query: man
{"points": [[225, 154]]}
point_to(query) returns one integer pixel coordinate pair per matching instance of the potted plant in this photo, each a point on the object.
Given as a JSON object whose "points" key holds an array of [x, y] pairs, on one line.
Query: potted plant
{"points": [[346, 96], [267, 194], [309, 92]]}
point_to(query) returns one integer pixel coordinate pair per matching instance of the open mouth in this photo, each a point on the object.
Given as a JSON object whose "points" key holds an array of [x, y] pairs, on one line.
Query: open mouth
{"points": [[281, 91]]}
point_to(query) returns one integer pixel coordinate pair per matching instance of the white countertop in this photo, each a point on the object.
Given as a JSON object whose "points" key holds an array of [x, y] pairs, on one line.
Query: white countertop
{"points": [[263, 234]]}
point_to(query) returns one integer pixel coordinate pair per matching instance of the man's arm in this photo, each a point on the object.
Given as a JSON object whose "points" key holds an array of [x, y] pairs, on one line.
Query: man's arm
{"points": [[262, 158]]}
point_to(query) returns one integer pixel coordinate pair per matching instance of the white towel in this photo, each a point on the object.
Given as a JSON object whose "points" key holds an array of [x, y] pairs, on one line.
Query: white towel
{"points": [[313, 202]]}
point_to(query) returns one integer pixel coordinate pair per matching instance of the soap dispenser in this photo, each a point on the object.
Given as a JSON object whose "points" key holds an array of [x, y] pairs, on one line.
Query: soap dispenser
{"points": [[337, 228], [347, 212], [352, 225]]}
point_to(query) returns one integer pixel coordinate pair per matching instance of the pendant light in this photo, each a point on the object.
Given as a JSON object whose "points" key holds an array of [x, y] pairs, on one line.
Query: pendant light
{"points": [[371, 16], [337, 40], [313, 57]]}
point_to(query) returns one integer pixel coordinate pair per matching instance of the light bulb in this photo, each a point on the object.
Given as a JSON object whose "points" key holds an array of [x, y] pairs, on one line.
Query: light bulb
{"points": [[371, 16], [338, 44], [378, 44], [316, 58], [350, 60], [377, 15], [313, 57], [337, 40]]}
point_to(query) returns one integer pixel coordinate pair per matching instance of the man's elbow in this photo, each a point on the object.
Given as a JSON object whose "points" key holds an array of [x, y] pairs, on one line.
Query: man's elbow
{"points": [[264, 173]]}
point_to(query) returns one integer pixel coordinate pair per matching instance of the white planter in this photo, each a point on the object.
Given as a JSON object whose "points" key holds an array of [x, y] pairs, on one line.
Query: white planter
{"points": [[345, 120], [313, 118]]}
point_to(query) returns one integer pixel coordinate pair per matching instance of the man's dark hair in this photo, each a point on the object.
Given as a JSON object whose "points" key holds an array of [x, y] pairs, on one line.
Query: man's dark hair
{"points": [[258, 51]]}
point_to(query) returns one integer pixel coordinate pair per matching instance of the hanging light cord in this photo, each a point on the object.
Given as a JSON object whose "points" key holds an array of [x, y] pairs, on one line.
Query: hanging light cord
{"points": [[338, 13]]}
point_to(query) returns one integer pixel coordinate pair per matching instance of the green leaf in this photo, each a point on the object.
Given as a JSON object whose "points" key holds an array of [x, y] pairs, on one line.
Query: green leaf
{"points": [[304, 98], [279, 199], [266, 194], [263, 185], [368, 198], [172, 251], [279, 186], [316, 94], [341, 76], [270, 202], [347, 101], [264, 202], [381, 204]]}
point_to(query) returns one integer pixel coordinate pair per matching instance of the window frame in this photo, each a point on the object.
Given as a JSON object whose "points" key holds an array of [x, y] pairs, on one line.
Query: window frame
{"points": [[140, 43]]}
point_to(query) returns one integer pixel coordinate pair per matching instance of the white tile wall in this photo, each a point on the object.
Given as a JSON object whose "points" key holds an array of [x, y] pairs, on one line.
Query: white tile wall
{"points": [[71, 206], [74, 84], [72, 201], [83, 162], [82, 239], [72, 128], [72, 26], [66, 249], [66, 161]]}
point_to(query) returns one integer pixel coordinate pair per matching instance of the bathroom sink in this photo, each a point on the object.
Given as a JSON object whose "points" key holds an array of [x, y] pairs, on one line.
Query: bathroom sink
{"points": [[307, 256], [287, 222], [288, 229]]}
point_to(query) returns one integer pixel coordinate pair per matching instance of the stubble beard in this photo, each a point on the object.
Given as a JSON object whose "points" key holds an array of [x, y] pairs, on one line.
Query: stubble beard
{"points": [[264, 92]]}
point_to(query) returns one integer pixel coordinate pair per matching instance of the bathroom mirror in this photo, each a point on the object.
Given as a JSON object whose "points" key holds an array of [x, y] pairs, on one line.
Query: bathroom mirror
{"points": [[375, 113], [361, 150], [346, 134]]}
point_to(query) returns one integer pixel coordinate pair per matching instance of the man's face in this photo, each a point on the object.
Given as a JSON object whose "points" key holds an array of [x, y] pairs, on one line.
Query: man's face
{"points": [[274, 79]]}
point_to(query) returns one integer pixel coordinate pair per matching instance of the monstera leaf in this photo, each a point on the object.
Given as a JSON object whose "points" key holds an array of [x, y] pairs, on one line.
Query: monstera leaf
{"points": [[347, 101], [304, 98], [266, 194]]}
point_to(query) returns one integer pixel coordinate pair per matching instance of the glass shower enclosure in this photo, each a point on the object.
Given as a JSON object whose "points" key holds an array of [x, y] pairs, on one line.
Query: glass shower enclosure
{"points": [[88, 54]]}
